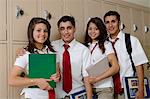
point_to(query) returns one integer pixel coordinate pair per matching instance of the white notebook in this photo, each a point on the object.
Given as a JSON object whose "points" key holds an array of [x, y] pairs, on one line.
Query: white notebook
{"points": [[99, 67]]}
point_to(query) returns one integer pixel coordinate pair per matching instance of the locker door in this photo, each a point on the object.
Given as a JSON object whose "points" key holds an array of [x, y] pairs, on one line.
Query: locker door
{"points": [[3, 71], [137, 24], [14, 92], [51, 10], [75, 8], [146, 24], [107, 6], [146, 40], [21, 13], [3, 20], [125, 17], [92, 9]]}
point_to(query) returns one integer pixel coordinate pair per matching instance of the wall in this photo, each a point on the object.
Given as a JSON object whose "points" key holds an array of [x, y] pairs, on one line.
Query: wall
{"points": [[145, 3]]}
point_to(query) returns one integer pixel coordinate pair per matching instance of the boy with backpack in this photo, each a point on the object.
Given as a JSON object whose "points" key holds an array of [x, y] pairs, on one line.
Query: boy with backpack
{"points": [[126, 62]]}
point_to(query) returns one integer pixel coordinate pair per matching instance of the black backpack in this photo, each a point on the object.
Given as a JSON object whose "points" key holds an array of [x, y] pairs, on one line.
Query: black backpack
{"points": [[129, 50]]}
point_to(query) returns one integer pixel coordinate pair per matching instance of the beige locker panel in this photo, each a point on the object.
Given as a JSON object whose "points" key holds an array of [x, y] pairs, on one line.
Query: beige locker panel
{"points": [[75, 8], [93, 8], [146, 24], [147, 72], [107, 6], [146, 39], [147, 51], [55, 9], [125, 17], [20, 22], [3, 71], [137, 24], [14, 92], [3, 20]]}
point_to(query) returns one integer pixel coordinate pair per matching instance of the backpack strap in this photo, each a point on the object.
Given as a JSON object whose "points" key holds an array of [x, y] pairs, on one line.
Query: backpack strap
{"points": [[129, 50]]}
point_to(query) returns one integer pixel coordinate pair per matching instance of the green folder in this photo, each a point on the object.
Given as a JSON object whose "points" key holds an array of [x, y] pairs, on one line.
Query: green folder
{"points": [[42, 66]]}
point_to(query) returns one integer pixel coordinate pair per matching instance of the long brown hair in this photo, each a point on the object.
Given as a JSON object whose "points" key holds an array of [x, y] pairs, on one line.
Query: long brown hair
{"points": [[103, 33], [31, 26]]}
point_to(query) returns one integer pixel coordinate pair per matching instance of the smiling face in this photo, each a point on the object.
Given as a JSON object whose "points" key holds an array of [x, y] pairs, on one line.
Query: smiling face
{"points": [[93, 31], [40, 35], [112, 25], [66, 30]]}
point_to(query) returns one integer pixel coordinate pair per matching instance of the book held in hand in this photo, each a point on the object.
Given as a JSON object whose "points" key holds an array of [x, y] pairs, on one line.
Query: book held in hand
{"points": [[42, 66], [131, 87], [98, 68]]}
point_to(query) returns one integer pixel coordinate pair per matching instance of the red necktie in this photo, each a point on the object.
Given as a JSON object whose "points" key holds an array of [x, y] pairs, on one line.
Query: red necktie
{"points": [[116, 77], [51, 94], [67, 77]]}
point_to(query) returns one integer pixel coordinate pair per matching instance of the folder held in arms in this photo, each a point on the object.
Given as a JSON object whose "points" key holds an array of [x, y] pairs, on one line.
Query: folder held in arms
{"points": [[42, 66], [131, 87], [98, 68]]}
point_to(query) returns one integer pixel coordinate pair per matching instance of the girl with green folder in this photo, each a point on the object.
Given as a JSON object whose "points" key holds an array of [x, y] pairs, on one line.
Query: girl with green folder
{"points": [[38, 42]]}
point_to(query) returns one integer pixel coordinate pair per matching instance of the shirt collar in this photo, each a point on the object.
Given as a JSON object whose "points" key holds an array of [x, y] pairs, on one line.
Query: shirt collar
{"points": [[44, 49], [120, 36], [93, 43], [72, 43]]}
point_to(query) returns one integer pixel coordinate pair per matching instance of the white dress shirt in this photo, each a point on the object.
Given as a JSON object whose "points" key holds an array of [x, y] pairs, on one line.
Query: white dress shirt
{"points": [[138, 55], [23, 62], [96, 56], [80, 58]]}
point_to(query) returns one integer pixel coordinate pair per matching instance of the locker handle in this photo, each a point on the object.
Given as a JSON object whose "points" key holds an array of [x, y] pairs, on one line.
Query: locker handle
{"points": [[135, 27], [47, 15], [122, 26], [146, 29], [19, 12]]}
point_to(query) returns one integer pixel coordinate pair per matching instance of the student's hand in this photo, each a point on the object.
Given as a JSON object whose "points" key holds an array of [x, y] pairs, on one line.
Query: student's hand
{"points": [[139, 95], [43, 83], [92, 79], [56, 77], [20, 52]]}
